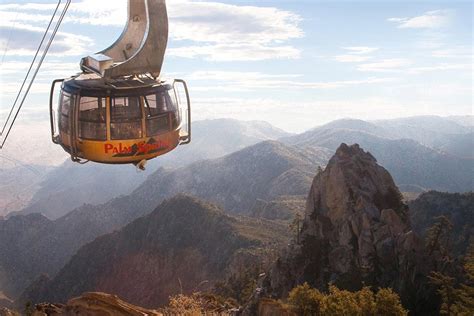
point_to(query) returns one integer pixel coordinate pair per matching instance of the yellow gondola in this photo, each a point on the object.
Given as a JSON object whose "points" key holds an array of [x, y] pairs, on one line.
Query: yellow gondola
{"points": [[117, 111], [119, 121]]}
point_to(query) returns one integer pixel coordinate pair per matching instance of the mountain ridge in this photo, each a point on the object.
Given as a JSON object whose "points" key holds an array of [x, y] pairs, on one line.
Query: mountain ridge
{"points": [[182, 243]]}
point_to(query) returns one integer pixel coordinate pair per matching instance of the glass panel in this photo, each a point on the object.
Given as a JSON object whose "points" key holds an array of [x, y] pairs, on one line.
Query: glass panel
{"points": [[126, 116], [158, 105], [64, 124], [92, 109], [125, 110], [131, 130], [64, 106], [175, 116], [157, 125], [173, 101], [92, 118], [155, 104], [65, 103], [93, 131]]}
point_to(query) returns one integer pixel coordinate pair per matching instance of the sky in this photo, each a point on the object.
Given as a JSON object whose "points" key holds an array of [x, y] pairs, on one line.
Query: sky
{"points": [[294, 63]]}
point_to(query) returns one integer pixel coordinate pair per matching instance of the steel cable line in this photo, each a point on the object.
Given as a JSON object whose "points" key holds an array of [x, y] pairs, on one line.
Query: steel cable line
{"points": [[46, 49]]}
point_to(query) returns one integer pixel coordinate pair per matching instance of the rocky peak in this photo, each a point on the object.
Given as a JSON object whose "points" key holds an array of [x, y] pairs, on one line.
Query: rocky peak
{"points": [[352, 185], [356, 230]]}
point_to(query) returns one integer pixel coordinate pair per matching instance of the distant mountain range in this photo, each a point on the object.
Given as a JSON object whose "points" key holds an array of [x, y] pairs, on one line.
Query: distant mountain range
{"points": [[217, 138], [18, 184], [269, 179], [183, 246], [355, 219], [426, 152], [264, 171], [410, 163], [69, 186]]}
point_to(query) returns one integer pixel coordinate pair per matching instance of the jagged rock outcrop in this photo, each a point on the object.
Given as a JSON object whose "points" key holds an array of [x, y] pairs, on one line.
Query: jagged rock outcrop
{"points": [[7, 312], [93, 304], [356, 231]]}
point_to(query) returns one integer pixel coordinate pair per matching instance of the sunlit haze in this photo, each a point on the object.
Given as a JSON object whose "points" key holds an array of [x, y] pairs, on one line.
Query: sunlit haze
{"points": [[295, 64]]}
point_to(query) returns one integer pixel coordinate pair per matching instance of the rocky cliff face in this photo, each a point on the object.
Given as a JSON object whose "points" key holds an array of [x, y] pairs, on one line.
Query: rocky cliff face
{"points": [[356, 231]]}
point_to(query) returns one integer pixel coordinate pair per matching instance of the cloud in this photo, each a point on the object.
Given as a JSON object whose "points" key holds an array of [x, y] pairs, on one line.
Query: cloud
{"points": [[401, 65], [249, 81], [23, 39], [225, 23], [224, 32], [53, 68], [235, 52], [199, 29], [429, 20], [361, 50], [351, 58], [385, 65], [458, 52], [440, 67], [356, 54]]}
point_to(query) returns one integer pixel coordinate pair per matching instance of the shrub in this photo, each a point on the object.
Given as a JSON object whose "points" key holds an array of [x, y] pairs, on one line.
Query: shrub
{"points": [[309, 301]]}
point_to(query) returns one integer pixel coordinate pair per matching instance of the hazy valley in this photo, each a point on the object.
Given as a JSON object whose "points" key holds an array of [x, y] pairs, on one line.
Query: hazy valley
{"points": [[244, 188]]}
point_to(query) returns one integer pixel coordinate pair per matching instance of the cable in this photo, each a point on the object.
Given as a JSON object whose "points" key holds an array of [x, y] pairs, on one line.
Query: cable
{"points": [[9, 38], [18, 162], [63, 13], [31, 67]]}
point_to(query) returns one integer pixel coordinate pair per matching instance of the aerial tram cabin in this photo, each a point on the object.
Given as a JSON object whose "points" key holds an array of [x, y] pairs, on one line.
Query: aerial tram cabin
{"points": [[117, 110], [119, 121]]}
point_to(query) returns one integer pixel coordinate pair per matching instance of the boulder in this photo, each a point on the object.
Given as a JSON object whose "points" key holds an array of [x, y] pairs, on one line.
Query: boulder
{"points": [[93, 304]]}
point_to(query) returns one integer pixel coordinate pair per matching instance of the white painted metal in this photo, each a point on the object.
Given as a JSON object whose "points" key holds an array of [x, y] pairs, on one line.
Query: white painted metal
{"points": [[141, 47]]}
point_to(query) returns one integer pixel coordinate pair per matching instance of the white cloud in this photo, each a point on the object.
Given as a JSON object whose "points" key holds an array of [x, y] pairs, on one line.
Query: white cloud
{"points": [[21, 39], [48, 69], [256, 81], [235, 52], [361, 50], [440, 67], [351, 58], [225, 23], [385, 65], [430, 19], [11, 88], [458, 52], [356, 54], [210, 30], [401, 65], [224, 32]]}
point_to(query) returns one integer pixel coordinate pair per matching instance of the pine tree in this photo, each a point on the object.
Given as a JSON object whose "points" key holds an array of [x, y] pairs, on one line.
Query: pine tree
{"points": [[388, 303], [306, 300]]}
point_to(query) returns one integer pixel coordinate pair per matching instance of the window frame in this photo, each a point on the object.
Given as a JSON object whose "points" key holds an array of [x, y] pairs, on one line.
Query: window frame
{"points": [[129, 121], [102, 120]]}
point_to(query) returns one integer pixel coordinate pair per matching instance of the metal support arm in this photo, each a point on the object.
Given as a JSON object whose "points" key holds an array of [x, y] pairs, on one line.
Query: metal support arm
{"points": [[141, 47]]}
